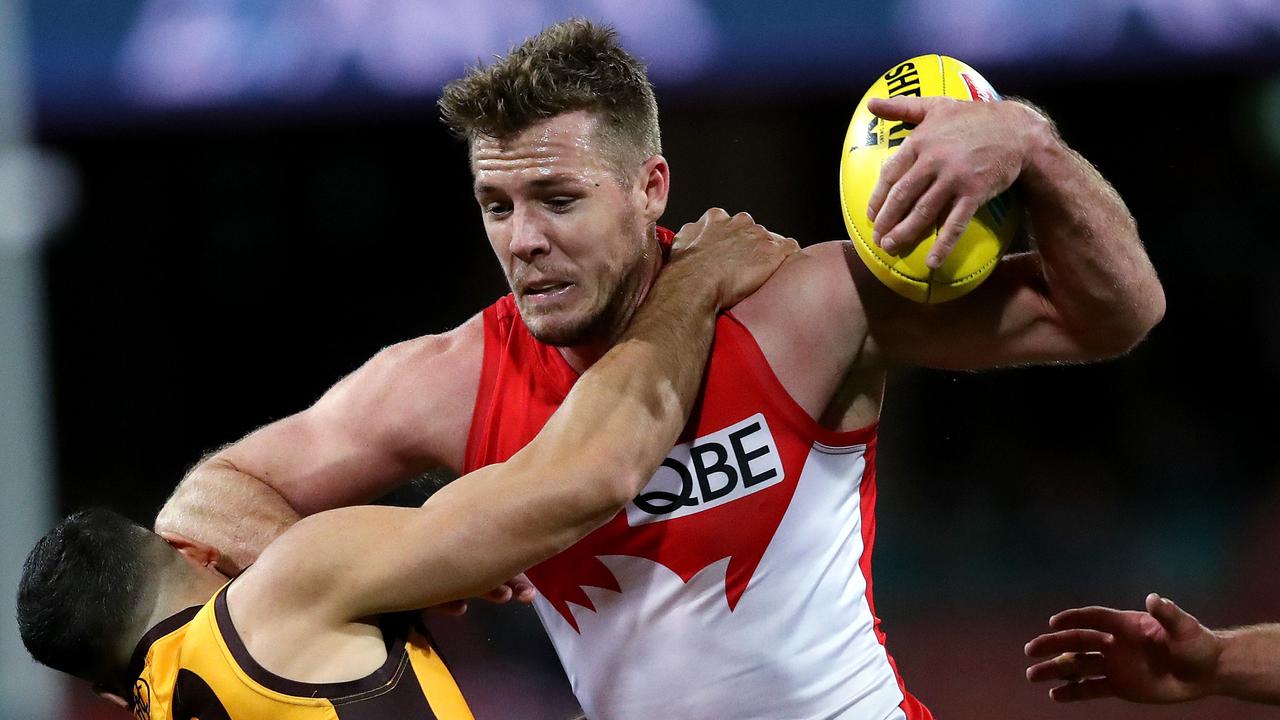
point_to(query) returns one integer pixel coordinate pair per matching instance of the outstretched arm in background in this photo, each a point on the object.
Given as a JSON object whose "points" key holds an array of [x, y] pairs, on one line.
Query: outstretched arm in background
{"points": [[1162, 655]]}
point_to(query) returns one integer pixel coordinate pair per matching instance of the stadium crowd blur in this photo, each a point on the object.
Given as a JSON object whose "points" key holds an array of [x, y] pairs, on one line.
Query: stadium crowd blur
{"points": [[227, 260]]}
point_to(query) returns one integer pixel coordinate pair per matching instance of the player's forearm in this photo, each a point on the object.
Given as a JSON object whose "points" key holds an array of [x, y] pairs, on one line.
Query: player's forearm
{"points": [[1099, 279], [232, 511], [591, 458], [1249, 667], [627, 411]]}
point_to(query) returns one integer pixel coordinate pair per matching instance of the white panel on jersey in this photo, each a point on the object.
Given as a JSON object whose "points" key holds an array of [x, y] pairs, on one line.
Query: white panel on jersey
{"points": [[800, 643]]}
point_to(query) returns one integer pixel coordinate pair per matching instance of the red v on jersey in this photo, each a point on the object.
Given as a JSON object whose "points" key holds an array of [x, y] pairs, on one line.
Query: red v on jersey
{"points": [[756, 489], [739, 530]]}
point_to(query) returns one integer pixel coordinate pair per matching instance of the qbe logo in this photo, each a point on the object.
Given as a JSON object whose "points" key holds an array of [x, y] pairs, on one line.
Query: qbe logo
{"points": [[715, 469]]}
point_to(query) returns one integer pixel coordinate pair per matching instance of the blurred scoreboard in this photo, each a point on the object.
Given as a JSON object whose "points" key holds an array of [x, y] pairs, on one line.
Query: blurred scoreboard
{"points": [[111, 61]]}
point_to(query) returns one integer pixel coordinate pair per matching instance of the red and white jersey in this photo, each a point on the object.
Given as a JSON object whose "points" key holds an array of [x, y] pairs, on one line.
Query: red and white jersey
{"points": [[738, 583]]}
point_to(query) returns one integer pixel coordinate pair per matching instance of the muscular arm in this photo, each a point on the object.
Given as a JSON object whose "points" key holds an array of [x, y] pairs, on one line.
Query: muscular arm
{"points": [[1162, 655], [591, 458], [401, 414], [1087, 292], [1097, 277]]}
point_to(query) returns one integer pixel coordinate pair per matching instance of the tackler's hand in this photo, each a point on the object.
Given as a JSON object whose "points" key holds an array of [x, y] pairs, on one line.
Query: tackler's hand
{"points": [[959, 156], [517, 588], [734, 253]]}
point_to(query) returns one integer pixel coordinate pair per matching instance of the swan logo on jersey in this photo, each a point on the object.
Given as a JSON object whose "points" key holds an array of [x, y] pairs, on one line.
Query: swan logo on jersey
{"points": [[713, 470]]}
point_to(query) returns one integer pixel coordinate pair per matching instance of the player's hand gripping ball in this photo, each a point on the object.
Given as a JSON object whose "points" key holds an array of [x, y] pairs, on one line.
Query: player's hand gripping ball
{"points": [[871, 141]]}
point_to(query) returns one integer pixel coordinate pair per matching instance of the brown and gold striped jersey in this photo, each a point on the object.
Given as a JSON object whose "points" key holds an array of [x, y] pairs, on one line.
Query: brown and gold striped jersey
{"points": [[194, 665]]}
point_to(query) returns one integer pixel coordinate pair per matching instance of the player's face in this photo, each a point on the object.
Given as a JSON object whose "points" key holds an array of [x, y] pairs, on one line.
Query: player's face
{"points": [[573, 239]]}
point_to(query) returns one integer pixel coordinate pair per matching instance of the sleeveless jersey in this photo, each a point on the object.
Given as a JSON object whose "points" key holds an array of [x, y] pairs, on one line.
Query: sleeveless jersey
{"points": [[737, 584], [194, 665]]}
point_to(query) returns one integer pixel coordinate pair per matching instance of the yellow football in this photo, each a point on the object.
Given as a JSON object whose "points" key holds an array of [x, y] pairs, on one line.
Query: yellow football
{"points": [[871, 141]]}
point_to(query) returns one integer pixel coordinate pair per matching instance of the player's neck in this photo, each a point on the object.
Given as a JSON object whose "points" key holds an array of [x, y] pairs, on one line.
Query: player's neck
{"points": [[584, 355], [180, 589]]}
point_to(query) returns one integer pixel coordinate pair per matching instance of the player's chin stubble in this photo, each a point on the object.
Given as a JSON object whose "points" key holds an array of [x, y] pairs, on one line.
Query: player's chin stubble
{"points": [[604, 322], [569, 326]]}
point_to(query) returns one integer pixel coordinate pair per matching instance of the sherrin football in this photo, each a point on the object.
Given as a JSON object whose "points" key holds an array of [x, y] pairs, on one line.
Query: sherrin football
{"points": [[871, 141]]}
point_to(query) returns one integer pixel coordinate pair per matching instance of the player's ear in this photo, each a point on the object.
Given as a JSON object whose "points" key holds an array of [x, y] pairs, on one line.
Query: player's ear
{"points": [[193, 550], [655, 183], [112, 698]]}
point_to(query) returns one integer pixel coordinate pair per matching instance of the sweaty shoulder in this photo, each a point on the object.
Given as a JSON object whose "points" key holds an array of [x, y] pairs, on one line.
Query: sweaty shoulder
{"points": [[417, 395], [449, 364], [809, 322]]}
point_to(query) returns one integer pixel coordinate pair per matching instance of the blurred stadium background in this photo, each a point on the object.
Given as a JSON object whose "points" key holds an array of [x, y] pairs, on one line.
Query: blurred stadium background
{"points": [[212, 209]]}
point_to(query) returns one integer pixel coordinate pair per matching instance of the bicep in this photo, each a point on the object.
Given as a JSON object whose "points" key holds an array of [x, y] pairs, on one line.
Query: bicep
{"points": [[404, 412], [1008, 320], [317, 461], [853, 322]]}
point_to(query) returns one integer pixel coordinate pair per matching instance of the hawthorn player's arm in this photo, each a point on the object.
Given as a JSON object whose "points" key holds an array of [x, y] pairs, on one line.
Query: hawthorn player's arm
{"points": [[592, 457]]}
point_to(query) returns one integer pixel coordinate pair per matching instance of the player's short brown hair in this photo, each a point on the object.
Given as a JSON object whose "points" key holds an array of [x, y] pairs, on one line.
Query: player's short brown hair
{"points": [[572, 65]]}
